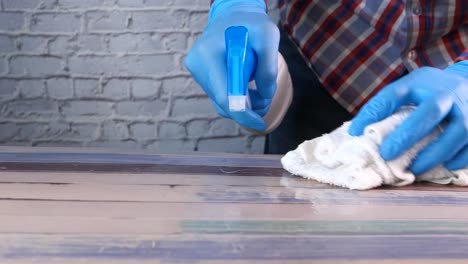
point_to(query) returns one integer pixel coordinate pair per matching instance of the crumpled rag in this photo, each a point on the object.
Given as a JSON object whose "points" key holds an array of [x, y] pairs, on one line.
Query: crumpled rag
{"points": [[355, 163]]}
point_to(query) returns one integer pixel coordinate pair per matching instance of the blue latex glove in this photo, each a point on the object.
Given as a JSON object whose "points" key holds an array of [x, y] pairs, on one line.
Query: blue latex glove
{"points": [[207, 58], [439, 95]]}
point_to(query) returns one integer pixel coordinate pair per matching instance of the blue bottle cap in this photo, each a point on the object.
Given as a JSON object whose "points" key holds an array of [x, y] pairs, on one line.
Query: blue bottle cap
{"points": [[240, 66]]}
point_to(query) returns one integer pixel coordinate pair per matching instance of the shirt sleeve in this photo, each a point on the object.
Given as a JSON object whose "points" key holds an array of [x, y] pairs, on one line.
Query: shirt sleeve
{"points": [[463, 56]]}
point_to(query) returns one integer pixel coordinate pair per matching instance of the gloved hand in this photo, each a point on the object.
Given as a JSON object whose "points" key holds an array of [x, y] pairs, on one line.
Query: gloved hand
{"points": [[438, 95], [207, 58]]}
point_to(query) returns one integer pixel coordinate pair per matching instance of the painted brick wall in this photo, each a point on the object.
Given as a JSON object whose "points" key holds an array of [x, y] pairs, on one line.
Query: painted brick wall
{"points": [[107, 73]]}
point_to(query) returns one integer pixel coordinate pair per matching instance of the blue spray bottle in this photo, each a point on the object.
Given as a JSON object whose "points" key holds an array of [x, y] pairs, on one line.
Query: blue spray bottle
{"points": [[241, 65]]}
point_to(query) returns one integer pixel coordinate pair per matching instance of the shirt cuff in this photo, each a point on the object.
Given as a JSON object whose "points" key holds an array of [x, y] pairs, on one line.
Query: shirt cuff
{"points": [[460, 68], [223, 5], [463, 56]]}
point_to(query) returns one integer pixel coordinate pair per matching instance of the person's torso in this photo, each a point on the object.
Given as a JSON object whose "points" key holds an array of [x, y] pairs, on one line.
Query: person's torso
{"points": [[356, 47]]}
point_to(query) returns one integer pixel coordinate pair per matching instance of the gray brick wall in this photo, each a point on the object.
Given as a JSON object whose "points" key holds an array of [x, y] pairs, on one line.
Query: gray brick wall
{"points": [[107, 73]]}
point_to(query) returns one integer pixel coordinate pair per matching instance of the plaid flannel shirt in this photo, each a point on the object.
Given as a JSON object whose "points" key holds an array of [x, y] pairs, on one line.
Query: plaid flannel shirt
{"points": [[357, 47]]}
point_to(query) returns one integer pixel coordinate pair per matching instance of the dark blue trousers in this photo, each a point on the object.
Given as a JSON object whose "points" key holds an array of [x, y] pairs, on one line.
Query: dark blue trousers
{"points": [[313, 111]]}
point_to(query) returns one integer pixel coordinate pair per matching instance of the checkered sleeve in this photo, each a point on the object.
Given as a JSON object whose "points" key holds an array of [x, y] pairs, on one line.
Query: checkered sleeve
{"points": [[463, 56]]}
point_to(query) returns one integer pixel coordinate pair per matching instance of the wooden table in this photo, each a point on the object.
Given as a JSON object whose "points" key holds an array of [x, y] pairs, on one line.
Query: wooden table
{"points": [[78, 206]]}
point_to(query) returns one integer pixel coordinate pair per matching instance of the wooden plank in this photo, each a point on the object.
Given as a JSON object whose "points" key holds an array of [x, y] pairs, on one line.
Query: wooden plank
{"points": [[91, 151], [227, 194], [325, 227], [140, 168], [246, 248], [286, 180], [236, 211], [233, 261], [35, 155], [153, 179], [152, 225]]}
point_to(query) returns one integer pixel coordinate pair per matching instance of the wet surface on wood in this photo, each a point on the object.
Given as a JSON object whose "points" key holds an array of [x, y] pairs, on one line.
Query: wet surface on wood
{"points": [[78, 206]]}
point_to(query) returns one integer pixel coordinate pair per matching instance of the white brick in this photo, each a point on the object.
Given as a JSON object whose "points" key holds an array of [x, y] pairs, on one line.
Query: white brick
{"points": [[81, 44], [60, 46], [7, 88], [80, 3], [175, 85], [123, 66], [56, 22], [30, 131], [171, 130], [56, 143], [147, 42], [193, 107], [58, 131], [11, 21], [3, 65], [158, 3], [231, 145], [143, 130], [181, 86], [142, 88], [20, 143], [158, 19], [176, 41], [257, 145], [8, 131], [185, 3], [114, 144], [86, 88], [7, 44], [198, 128], [142, 108], [115, 130], [107, 21], [87, 108], [36, 66], [222, 127], [28, 4], [87, 44], [31, 88], [198, 20], [60, 88], [85, 131], [30, 108], [131, 3], [32, 44], [116, 89], [171, 146]]}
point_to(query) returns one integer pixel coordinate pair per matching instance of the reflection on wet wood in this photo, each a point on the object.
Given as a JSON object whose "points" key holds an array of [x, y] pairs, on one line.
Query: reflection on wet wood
{"points": [[74, 206]]}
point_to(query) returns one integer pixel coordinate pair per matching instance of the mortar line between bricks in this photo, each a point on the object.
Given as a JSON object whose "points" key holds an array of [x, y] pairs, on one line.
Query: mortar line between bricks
{"points": [[124, 54], [83, 23], [95, 32], [42, 55], [28, 21], [148, 77], [119, 76], [142, 31], [108, 9], [34, 34]]}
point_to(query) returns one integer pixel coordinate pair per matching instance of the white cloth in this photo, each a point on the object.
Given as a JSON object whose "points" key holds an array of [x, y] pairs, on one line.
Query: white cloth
{"points": [[355, 163]]}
